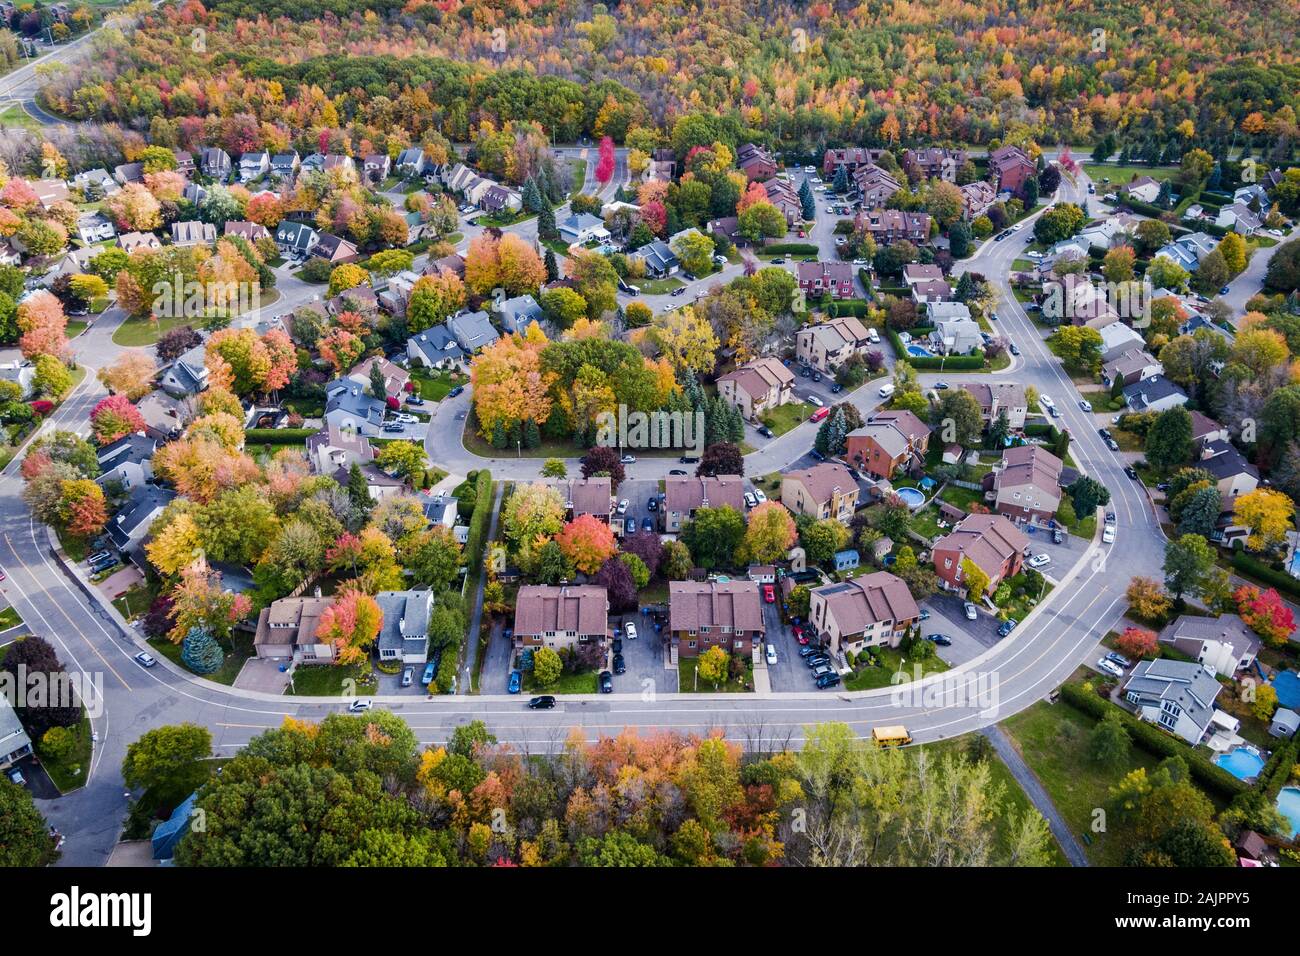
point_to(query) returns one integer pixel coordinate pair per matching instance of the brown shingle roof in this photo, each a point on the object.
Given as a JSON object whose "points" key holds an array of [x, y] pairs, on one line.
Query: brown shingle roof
{"points": [[867, 600], [579, 609], [693, 605], [684, 495], [988, 540], [822, 480]]}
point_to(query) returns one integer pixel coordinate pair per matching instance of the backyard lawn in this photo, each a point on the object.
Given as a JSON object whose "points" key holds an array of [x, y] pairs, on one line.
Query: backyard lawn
{"points": [[1120, 175], [888, 663], [785, 417], [434, 385], [963, 498], [688, 681], [1053, 738], [657, 286], [69, 773]]}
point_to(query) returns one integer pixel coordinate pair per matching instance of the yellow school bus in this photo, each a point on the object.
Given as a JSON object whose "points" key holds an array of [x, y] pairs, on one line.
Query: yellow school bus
{"points": [[894, 736]]}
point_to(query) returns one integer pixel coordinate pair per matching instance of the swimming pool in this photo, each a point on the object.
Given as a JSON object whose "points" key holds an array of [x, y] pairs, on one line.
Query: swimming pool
{"points": [[1287, 685], [919, 351], [911, 497], [1241, 763], [1288, 804]]}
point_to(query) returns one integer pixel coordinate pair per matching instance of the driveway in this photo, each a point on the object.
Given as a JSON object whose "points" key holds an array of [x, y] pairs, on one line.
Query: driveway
{"points": [[638, 492], [643, 657], [262, 675], [970, 639], [498, 659], [789, 672], [416, 432]]}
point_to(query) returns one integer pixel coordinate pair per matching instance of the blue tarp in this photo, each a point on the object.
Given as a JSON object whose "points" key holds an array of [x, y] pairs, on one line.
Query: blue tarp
{"points": [[168, 833]]}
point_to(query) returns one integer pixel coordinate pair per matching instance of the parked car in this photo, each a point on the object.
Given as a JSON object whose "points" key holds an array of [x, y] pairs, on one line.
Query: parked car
{"points": [[1110, 667], [1131, 472], [1108, 535], [516, 682], [1112, 444], [361, 705], [145, 660], [393, 427], [818, 660], [544, 702], [652, 504], [828, 680], [1039, 561], [676, 471], [689, 460], [456, 390], [629, 526], [429, 673], [821, 671], [771, 654], [630, 630], [925, 615], [941, 386], [647, 524], [1057, 536], [606, 682], [405, 419], [769, 594], [408, 677], [1013, 348], [758, 494], [620, 667], [627, 460], [972, 612], [807, 651], [1006, 627], [943, 640], [765, 431], [1104, 432], [1085, 404], [680, 290], [16, 776], [750, 500], [622, 507], [836, 388], [1116, 658]]}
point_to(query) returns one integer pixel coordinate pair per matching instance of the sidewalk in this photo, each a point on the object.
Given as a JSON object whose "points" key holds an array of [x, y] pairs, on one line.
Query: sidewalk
{"points": [[1003, 747]]}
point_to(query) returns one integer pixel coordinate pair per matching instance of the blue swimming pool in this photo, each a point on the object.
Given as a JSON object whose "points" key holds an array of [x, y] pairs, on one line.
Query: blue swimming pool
{"points": [[919, 351], [1288, 804], [1241, 763], [913, 498], [1287, 685]]}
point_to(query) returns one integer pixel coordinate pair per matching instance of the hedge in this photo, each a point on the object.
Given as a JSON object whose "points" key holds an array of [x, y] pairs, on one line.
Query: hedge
{"points": [[478, 524], [1155, 741], [277, 436], [791, 249], [953, 363], [854, 307], [1271, 576], [1277, 771]]}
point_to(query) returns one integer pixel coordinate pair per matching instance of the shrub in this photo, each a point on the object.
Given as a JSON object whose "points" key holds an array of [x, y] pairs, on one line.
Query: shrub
{"points": [[277, 436]]}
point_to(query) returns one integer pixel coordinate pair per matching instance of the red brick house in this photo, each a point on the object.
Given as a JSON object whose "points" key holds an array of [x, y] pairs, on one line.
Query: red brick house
{"points": [[886, 443], [704, 614], [1010, 168], [991, 542], [818, 278], [755, 162]]}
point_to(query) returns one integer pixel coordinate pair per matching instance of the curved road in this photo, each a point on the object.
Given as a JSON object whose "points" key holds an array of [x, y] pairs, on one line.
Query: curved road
{"points": [[1061, 634]]}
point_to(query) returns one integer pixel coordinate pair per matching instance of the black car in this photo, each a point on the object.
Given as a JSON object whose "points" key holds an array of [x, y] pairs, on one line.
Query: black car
{"points": [[676, 471], [606, 682], [1131, 472], [836, 388], [545, 702], [817, 455], [807, 651], [652, 504], [817, 376], [765, 431], [828, 680], [1057, 536], [619, 666], [617, 646], [1006, 627], [1015, 350], [456, 391], [805, 372], [647, 524], [689, 460], [679, 291], [941, 386], [778, 262], [943, 640]]}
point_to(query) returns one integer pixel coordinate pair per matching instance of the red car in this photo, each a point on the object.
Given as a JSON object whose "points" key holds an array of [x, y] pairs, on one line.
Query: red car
{"points": [[799, 634], [769, 594]]}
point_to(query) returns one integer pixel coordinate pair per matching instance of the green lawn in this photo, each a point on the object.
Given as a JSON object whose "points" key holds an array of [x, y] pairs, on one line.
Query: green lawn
{"points": [[579, 175], [75, 327], [1018, 606], [238, 650], [926, 522], [17, 116], [1053, 738], [139, 332], [888, 663], [134, 602], [1121, 175], [9, 618], [326, 680], [70, 772], [434, 385], [566, 684], [73, 546], [686, 680], [785, 417], [657, 286], [963, 498], [1101, 401]]}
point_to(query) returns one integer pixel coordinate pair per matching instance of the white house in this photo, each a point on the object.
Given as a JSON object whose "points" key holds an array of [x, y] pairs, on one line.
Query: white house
{"points": [[1176, 695]]}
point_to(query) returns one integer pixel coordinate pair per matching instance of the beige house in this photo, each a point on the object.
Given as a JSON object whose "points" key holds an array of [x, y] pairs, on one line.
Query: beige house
{"points": [[684, 496], [871, 610], [829, 344], [757, 386], [995, 398], [1027, 484], [826, 490], [287, 630], [557, 617]]}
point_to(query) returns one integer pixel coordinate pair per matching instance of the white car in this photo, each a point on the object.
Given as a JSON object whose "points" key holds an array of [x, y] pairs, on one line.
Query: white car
{"points": [[629, 629], [405, 419], [627, 460], [1111, 668], [361, 705], [16, 776], [810, 169], [1033, 254], [771, 653], [1039, 560], [1017, 227], [972, 612], [1085, 404], [1108, 534], [622, 506], [759, 496], [859, 262], [750, 500], [145, 660]]}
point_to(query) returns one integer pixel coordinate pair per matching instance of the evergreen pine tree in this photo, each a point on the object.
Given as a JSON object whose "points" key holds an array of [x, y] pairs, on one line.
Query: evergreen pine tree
{"points": [[552, 267], [532, 435], [358, 492], [546, 228], [498, 436], [200, 651]]}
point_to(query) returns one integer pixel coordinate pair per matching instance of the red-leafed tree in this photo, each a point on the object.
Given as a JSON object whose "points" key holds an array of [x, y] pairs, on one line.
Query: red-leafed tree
{"points": [[115, 417], [605, 164], [1137, 642], [587, 542], [1265, 614], [350, 624]]}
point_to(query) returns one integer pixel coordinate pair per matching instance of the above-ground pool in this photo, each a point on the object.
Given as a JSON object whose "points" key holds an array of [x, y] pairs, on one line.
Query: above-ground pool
{"points": [[1241, 763], [911, 497], [1287, 685], [1288, 804], [919, 351]]}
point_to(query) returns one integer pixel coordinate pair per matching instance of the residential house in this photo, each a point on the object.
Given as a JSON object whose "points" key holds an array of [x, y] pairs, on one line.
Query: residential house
{"points": [[127, 461], [129, 527], [1206, 429], [375, 168], [1131, 365], [500, 199], [296, 239], [990, 542], [338, 161], [976, 198], [350, 407], [21, 373], [1224, 644], [683, 496], [826, 278], [253, 166], [185, 164], [782, 195], [164, 416], [956, 336], [851, 158], [706, 614], [435, 347], [559, 617], [935, 162], [582, 227], [95, 183], [1118, 338], [404, 634], [333, 448], [890, 225], [1153, 394], [1010, 168], [1239, 218], [14, 742], [757, 386], [285, 166], [1176, 695], [826, 490], [440, 510], [1144, 189], [379, 484], [95, 227], [50, 191], [128, 173], [215, 163], [396, 378], [659, 170], [360, 299], [194, 193], [193, 233], [1233, 474], [827, 345], [875, 186], [588, 496], [998, 397], [187, 375], [930, 291], [286, 629], [755, 162], [473, 330], [129, 242], [251, 231], [872, 610], [659, 259], [515, 315], [453, 264], [411, 162], [1026, 485], [334, 249], [890, 441]]}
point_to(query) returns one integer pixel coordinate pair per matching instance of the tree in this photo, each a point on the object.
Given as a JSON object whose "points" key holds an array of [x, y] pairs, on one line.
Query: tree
{"points": [[1137, 643], [1169, 440], [27, 660], [604, 460], [25, 841], [711, 666], [721, 458], [587, 542], [770, 534], [547, 666], [350, 624], [1109, 743], [695, 250], [1188, 559], [977, 582], [821, 539], [554, 468], [1087, 494], [1267, 513], [1265, 613], [165, 755], [131, 375], [403, 457], [957, 417], [713, 535], [677, 561], [52, 378], [686, 339], [1200, 514], [534, 510], [341, 349], [114, 417]]}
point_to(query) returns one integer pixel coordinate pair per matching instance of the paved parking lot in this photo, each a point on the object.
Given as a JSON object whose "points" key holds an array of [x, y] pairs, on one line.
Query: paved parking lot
{"points": [[789, 672], [970, 639], [1063, 555], [643, 657], [638, 493]]}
